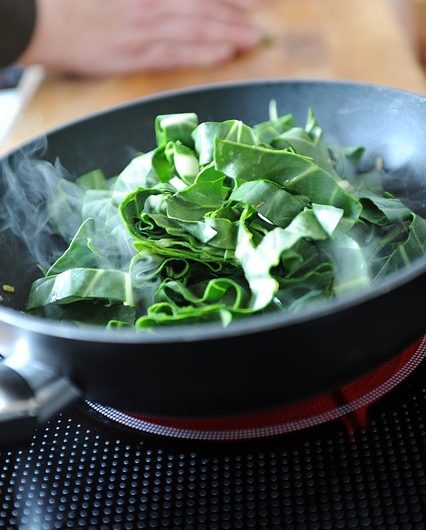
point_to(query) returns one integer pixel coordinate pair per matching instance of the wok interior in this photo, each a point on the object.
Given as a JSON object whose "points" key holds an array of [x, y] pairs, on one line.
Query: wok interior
{"points": [[388, 123]]}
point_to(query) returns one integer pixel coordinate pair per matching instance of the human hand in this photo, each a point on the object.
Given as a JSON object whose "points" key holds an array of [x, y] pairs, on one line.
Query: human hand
{"points": [[95, 37]]}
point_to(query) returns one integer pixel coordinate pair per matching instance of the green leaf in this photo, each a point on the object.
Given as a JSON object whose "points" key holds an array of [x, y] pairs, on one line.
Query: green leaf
{"points": [[109, 238], [95, 180], [79, 254], [133, 207], [163, 164], [139, 173], [307, 276], [65, 209], [346, 160], [272, 202], [76, 285], [221, 221], [272, 128], [321, 188], [87, 313], [175, 127], [165, 314], [225, 232], [301, 143], [383, 210], [245, 162], [312, 127], [115, 324], [205, 136], [184, 161], [257, 262], [218, 290], [351, 268], [409, 250], [206, 195]]}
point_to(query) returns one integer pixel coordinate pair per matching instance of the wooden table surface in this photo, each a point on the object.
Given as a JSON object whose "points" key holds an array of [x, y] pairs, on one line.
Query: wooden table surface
{"points": [[345, 39]]}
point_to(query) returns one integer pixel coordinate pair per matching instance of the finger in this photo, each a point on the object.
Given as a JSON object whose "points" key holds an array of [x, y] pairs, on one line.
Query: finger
{"points": [[240, 4], [165, 56], [195, 30], [211, 10]]}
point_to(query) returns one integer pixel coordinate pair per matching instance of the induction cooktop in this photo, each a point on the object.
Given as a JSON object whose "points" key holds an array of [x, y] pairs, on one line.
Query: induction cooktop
{"points": [[85, 470]]}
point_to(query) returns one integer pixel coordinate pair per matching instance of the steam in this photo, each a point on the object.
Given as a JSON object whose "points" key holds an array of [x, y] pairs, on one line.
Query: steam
{"points": [[43, 206], [39, 204]]}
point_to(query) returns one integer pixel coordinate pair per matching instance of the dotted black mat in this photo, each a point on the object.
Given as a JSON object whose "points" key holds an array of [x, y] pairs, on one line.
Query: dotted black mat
{"points": [[81, 472]]}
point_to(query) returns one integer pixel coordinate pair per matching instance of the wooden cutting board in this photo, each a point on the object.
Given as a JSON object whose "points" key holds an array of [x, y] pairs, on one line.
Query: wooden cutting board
{"points": [[344, 39]]}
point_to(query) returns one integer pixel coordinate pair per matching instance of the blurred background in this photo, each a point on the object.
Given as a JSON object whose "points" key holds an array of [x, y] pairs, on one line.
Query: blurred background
{"points": [[379, 41]]}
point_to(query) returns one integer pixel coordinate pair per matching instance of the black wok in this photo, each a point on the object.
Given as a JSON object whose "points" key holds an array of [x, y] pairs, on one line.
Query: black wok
{"points": [[206, 370]]}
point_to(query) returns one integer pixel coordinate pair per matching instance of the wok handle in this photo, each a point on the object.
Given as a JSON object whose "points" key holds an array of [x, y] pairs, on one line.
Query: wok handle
{"points": [[30, 394]]}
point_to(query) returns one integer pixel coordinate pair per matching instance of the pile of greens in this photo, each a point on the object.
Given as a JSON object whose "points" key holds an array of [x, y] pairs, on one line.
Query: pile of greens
{"points": [[223, 220]]}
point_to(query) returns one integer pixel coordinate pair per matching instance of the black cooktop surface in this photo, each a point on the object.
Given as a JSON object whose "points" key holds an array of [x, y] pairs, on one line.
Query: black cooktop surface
{"points": [[82, 471]]}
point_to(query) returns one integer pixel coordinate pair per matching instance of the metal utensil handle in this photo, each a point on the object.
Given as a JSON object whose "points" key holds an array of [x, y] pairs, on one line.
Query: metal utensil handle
{"points": [[30, 394]]}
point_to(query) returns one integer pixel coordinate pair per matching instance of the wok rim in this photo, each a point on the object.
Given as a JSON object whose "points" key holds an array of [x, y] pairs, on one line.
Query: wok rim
{"points": [[210, 331]]}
